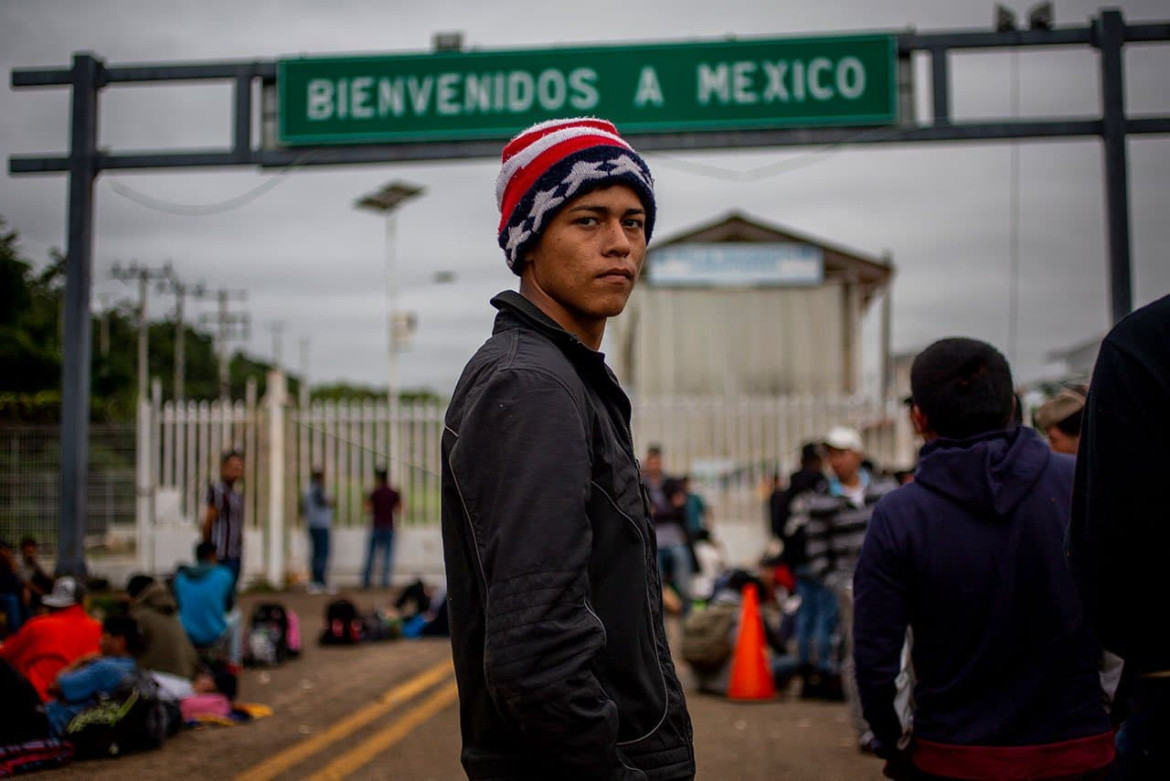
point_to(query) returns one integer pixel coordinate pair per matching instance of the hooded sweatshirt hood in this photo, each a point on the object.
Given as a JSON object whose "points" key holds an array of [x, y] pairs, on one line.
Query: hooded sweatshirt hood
{"points": [[989, 474], [158, 598]]}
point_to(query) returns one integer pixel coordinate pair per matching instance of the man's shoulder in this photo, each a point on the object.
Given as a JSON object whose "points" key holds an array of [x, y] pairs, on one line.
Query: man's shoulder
{"points": [[516, 358]]}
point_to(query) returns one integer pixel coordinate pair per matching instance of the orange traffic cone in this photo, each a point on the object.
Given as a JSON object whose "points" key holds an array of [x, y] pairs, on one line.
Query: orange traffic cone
{"points": [[751, 679]]}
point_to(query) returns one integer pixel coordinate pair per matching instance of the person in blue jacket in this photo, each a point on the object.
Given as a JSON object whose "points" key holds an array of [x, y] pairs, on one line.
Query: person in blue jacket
{"points": [[206, 595], [970, 558]]}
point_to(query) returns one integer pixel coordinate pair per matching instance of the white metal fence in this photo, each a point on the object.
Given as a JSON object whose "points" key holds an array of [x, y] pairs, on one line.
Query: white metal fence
{"points": [[730, 447]]}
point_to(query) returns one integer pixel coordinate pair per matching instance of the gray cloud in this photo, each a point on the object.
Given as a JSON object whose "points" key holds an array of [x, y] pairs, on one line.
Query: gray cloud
{"points": [[310, 260]]}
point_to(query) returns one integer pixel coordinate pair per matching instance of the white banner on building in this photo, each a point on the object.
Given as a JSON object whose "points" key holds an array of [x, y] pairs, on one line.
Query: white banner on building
{"points": [[737, 265]]}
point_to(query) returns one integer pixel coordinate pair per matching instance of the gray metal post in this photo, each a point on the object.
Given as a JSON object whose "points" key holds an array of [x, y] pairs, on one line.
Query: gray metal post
{"points": [[87, 77], [180, 345], [1110, 35], [143, 334]]}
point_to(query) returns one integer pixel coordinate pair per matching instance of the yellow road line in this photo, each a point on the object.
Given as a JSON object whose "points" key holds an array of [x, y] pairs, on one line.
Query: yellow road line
{"points": [[387, 737], [278, 763]]}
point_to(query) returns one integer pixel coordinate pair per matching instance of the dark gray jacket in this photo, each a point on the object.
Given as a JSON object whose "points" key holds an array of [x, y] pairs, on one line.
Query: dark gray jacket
{"points": [[554, 597]]}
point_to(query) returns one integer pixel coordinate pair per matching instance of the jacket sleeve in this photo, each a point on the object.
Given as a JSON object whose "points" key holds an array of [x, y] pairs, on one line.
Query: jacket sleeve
{"points": [[1116, 537], [881, 616], [523, 469]]}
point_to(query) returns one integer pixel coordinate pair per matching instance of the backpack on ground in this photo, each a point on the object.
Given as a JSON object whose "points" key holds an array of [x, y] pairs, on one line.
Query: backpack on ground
{"points": [[132, 718], [274, 636], [707, 643], [343, 625]]}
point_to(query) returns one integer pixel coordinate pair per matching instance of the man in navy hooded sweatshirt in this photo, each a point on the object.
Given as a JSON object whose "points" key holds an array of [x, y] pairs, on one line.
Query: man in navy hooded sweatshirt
{"points": [[970, 558]]}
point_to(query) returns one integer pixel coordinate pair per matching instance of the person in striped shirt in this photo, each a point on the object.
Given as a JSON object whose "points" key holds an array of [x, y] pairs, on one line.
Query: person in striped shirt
{"points": [[223, 515]]}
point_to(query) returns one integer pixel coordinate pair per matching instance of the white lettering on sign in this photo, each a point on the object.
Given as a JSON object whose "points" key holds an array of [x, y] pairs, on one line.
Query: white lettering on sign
{"points": [[448, 96], [815, 69], [714, 81], [850, 78], [742, 82], [551, 89], [359, 104], [746, 82], [583, 82], [775, 92], [521, 91], [320, 99], [420, 93], [649, 90], [455, 94]]}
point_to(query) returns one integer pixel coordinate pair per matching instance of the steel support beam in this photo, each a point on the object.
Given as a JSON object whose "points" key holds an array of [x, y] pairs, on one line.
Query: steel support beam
{"points": [[83, 170], [1110, 37]]}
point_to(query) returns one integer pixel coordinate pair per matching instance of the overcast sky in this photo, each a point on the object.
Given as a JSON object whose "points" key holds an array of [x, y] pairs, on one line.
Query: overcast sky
{"points": [[309, 260]]}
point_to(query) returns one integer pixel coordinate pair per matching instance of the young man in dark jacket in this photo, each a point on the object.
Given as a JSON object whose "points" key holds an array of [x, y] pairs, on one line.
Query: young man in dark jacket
{"points": [[555, 603], [970, 557]]}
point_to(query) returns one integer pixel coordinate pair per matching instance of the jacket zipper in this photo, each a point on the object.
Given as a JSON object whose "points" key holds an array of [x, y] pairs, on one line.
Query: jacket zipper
{"points": [[653, 633]]}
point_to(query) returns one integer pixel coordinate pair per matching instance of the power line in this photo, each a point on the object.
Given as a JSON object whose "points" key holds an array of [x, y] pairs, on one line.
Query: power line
{"points": [[204, 210]]}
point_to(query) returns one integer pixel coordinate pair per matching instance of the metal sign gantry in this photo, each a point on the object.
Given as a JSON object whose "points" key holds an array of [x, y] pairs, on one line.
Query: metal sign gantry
{"points": [[1108, 33]]}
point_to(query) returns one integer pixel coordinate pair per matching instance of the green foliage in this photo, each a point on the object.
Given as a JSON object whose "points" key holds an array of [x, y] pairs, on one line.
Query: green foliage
{"points": [[31, 312]]}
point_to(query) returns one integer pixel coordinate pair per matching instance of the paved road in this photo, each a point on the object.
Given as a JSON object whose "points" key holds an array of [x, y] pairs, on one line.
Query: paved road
{"points": [[387, 711]]}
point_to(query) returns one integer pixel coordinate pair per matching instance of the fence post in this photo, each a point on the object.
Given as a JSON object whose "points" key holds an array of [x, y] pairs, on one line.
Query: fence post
{"points": [[275, 401], [144, 540]]}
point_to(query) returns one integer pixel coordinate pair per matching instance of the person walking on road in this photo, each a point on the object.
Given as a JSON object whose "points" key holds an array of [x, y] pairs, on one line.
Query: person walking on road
{"points": [[317, 507], [383, 504], [555, 603], [970, 557], [223, 516]]}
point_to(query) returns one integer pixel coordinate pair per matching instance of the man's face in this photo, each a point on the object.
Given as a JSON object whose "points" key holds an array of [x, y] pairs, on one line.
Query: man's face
{"points": [[29, 552], [588, 258], [1061, 442], [112, 645], [844, 463], [653, 464], [233, 469]]}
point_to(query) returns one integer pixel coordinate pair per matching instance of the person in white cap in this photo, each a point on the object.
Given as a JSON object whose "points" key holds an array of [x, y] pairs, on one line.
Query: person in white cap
{"points": [[46, 644], [835, 520]]}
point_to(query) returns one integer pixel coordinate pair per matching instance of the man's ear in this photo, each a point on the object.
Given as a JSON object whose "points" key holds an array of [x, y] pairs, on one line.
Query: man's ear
{"points": [[919, 421]]}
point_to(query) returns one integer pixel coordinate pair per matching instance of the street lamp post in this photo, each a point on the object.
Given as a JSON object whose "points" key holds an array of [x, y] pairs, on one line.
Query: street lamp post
{"points": [[386, 201]]}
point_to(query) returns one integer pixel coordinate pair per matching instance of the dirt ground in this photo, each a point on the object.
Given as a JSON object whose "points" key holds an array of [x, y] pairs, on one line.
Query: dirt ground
{"points": [[311, 696]]}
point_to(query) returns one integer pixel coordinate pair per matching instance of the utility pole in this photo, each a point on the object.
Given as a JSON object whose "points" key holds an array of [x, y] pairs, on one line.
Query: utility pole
{"points": [[181, 290], [277, 328], [104, 333], [144, 275], [225, 323]]}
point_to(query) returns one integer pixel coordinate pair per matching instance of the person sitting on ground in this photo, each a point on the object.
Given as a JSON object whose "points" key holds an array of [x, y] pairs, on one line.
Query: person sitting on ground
{"points": [[79, 685], [1059, 419], [12, 590], [205, 594], [165, 645], [47, 643], [712, 560], [36, 580]]}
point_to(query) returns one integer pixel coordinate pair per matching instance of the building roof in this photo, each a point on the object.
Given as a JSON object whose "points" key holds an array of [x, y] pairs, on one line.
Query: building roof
{"points": [[872, 273]]}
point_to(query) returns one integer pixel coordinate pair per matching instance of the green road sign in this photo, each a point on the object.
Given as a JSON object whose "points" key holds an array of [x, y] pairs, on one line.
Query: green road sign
{"points": [[649, 88]]}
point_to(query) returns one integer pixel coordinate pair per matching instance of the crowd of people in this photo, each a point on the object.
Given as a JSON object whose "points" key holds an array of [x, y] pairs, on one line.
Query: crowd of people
{"points": [[940, 604]]}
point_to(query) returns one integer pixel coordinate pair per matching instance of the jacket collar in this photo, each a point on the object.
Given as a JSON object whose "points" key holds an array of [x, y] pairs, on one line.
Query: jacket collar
{"points": [[511, 303], [515, 309]]}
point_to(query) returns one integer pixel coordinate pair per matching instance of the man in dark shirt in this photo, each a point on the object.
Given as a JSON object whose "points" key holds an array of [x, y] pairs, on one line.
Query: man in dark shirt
{"points": [[1120, 531], [12, 590], [223, 518], [382, 504]]}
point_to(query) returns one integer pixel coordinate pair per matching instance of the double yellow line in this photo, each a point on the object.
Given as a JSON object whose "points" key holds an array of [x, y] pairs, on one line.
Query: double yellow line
{"points": [[377, 743]]}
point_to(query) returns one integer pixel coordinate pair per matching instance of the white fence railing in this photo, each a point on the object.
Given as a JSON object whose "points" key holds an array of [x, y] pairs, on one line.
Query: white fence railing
{"points": [[729, 446]]}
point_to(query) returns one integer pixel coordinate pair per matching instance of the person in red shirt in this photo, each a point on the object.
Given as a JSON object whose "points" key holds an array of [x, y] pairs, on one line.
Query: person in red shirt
{"points": [[383, 504], [47, 644]]}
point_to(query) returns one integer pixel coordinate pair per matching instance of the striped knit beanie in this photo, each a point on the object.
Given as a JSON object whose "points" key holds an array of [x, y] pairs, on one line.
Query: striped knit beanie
{"points": [[551, 163]]}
